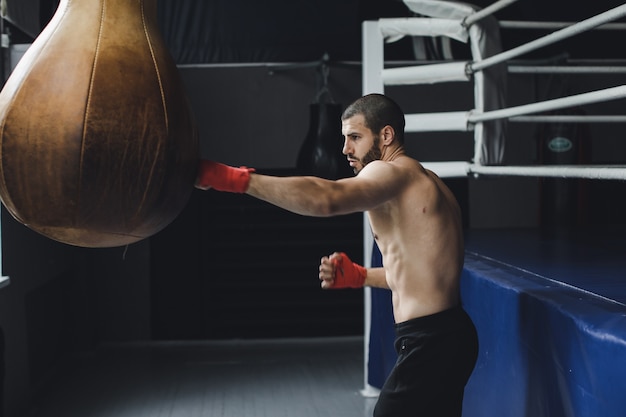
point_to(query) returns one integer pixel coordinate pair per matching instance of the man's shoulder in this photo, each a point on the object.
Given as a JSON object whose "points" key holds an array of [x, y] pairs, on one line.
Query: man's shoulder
{"points": [[403, 167], [406, 163]]}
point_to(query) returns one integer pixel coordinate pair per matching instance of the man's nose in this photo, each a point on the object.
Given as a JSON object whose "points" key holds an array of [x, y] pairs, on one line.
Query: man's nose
{"points": [[346, 149]]}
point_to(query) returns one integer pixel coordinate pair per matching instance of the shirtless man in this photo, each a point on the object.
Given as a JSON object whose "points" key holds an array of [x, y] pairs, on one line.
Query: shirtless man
{"points": [[416, 223]]}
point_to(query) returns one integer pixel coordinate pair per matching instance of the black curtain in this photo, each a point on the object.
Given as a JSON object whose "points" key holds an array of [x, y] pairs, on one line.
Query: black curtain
{"points": [[268, 31], [24, 15], [259, 31], [202, 31]]}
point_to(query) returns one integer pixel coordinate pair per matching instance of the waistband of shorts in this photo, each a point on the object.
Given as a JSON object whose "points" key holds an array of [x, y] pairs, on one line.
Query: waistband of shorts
{"points": [[431, 320]]}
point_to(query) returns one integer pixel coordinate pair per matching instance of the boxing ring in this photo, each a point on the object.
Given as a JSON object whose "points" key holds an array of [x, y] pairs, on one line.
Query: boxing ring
{"points": [[550, 311]]}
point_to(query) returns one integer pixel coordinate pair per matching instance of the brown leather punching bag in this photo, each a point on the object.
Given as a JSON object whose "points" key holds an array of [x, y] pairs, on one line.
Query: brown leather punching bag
{"points": [[98, 146]]}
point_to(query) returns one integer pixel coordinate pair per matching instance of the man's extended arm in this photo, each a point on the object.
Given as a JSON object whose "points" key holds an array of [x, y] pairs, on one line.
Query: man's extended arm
{"points": [[310, 196]]}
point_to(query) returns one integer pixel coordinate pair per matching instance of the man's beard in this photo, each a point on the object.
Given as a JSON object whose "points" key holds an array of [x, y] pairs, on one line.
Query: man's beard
{"points": [[374, 154]]}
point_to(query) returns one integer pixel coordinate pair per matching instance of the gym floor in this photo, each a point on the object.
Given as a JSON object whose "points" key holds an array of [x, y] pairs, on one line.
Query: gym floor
{"points": [[240, 378]]}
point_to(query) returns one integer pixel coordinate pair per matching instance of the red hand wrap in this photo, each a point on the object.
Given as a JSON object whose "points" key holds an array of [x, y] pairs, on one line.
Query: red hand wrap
{"points": [[347, 273], [223, 177]]}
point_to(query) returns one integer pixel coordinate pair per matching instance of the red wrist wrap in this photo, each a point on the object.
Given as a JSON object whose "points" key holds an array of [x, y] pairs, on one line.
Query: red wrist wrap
{"points": [[223, 177], [347, 273]]}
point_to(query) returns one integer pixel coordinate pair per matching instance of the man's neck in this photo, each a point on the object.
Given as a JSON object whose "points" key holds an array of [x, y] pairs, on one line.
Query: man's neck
{"points": [[390, 153]]}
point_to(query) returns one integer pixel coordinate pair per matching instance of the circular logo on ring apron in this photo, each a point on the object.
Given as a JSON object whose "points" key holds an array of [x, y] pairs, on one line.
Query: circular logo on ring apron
{"points": [[560, 144]]}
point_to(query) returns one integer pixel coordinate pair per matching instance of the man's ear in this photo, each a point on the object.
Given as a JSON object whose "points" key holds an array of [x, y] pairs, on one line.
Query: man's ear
{"points": [[387, 135]]}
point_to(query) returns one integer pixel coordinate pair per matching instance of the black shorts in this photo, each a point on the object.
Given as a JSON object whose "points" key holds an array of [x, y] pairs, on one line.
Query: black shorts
{"points": [[436, 356]]}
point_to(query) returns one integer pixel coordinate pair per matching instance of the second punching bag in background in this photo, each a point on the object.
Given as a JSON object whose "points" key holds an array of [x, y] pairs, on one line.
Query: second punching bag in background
{"points": [[98, 146]]}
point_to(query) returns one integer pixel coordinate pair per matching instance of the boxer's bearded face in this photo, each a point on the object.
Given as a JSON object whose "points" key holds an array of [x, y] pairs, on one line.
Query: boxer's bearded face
{"points": [[373, 154], [361, 145]]}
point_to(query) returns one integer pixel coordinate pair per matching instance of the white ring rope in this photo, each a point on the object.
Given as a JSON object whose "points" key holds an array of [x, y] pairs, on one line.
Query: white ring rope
{"points": [[522, 24], [489, 10], [429, 74], [559, 35], [460, 169], [481, 14], [460, 71], [570, 119], [612, 93], [375, 75], [463, 120], [606, 172], [557, 69], [437, 122]]}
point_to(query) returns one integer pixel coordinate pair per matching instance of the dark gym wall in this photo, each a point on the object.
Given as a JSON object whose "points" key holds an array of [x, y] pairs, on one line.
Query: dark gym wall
{"points": [[299, 30], [63, 298]]}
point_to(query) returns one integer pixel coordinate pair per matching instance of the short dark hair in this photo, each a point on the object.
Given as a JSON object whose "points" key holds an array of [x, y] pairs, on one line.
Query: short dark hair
{"points": [[378, 111]]}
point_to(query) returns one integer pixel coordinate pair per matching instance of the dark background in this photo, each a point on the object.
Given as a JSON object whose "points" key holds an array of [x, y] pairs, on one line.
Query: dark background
{"points": [[220, 31], [231, 266]]}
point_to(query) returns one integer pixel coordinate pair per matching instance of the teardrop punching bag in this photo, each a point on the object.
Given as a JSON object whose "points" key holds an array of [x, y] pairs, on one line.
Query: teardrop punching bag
{"points": [[98, 146]]}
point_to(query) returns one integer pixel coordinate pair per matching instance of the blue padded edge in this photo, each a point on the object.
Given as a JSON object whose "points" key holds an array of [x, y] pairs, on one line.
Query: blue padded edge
{"points": [[547, 349]]}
